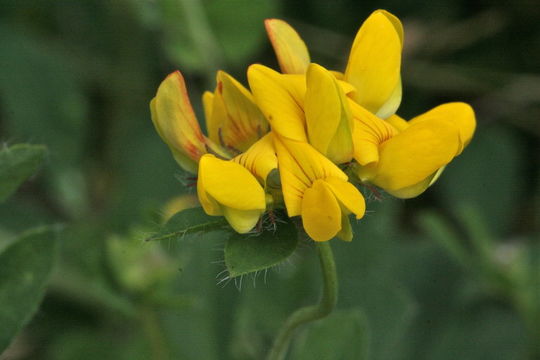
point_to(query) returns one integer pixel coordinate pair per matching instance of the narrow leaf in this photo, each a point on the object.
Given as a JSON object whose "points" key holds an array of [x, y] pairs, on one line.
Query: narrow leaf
{"points": [[188, 222], [24, 273], [246, 253], [17, 163]]}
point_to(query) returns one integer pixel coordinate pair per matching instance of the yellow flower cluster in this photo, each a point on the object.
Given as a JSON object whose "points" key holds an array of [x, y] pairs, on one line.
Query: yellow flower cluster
{"points": [[318, 129]]}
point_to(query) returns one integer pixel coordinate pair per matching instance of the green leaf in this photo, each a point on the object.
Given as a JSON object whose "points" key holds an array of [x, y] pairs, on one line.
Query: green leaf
{"points": [[188, 222], [246, 253], [494, 150], [480, 332], [341, 336], [24, 273], [239, 26], [17, 163]]}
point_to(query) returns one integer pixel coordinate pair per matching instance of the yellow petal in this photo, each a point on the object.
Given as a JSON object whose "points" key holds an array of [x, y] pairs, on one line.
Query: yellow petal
{"points": [[348, 196], [416, 189], [338, 74], [290, 49], [175, 121], [368, 133], [328, 118], [398, 122], [229, 184], [277, 102], [321, 214], [396, 22], [242, 221], [241, 123], [374, 63], [346, 87], [415, 154], [461, 114], [299, 166], [391, 105], [208, 104], [260, 159]]}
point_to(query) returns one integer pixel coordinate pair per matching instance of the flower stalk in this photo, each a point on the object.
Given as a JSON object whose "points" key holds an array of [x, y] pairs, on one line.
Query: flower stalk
{"points": [[310, 313]]}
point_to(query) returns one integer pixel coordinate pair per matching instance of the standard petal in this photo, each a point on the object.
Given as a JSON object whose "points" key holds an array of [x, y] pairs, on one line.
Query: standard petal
{"points": [[277, 102], [175, 121], [374, 63], [328, 119], [290, 49], [415, 154], [260, 159], [461, 114], [348, 196], [230, 184], [321, 214], [396, 22], [243, 123], [208, 105]]}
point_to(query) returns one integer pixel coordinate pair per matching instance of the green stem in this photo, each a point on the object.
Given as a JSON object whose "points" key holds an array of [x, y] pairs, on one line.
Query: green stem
{"points": [[313, 312], [154, 334]]}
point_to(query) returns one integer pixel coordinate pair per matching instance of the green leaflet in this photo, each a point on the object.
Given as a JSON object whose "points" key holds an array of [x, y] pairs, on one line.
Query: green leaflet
{"points": [[246, 253], [188, 222], [17, 163], [24, 273]]}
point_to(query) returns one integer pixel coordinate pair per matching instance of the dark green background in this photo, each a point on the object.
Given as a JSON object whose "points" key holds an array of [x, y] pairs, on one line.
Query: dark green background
{"points": [[453, 274]]}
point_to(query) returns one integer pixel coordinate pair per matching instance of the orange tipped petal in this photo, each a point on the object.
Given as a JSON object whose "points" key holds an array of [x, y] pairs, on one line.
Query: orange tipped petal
{"points": [[290, 49]]}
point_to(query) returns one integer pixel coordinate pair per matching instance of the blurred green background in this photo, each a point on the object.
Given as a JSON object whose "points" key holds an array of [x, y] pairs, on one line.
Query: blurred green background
{"points": [[453, 274]]}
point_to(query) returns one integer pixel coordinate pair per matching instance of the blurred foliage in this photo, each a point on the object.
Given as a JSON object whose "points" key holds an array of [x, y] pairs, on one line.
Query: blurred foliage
{"points": [[453, 274]]}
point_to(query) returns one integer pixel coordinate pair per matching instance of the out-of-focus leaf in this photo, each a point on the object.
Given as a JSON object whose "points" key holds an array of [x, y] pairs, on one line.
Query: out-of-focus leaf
{"points": [[341, 336], [85, 344], [249, 253], [200, 35], [390, 310], [188, 222], [139, 267], [480, 333], [490, 175], [17, 163], [24, 271], [439, 231], [239, 27], [42, 95]]}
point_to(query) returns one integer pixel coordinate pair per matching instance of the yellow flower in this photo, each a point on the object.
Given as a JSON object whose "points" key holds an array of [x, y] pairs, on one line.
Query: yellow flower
{"points": [[307, 108], [226, 188], [233, 120], [373, 68], [405, 158], [175, 122], [260, 159], [317, 190]]}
